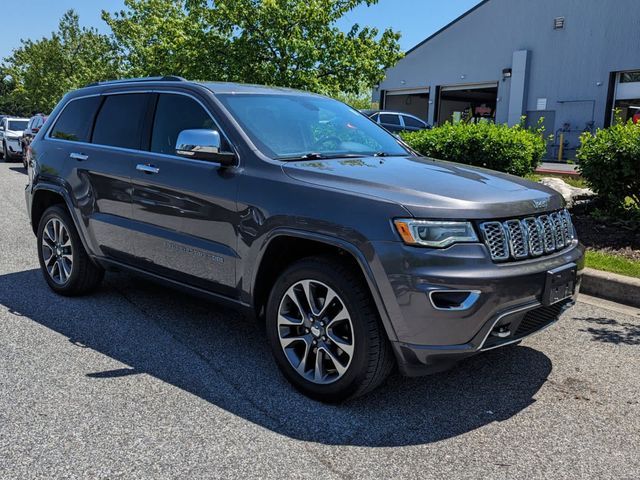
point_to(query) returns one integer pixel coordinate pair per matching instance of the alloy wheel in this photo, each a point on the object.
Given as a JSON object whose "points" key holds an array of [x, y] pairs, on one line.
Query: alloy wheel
{"points": [[57, 251], [315, 331]]}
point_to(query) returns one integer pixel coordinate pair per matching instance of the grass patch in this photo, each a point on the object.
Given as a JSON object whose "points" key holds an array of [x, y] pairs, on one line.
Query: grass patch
{"points": [[572, 180], [612, 263]]}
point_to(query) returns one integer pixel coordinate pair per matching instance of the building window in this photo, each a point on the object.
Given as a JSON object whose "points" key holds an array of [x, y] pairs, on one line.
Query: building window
{"points": [[558, 23], [629, 77]]}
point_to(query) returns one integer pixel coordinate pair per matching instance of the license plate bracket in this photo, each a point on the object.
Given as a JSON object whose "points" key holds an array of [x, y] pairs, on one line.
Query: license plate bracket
{"points": [[560, 284]]}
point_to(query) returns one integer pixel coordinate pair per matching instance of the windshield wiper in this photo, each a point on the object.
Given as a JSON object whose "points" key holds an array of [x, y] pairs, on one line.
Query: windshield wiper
{"points": [[322, 156], [387, 154]]}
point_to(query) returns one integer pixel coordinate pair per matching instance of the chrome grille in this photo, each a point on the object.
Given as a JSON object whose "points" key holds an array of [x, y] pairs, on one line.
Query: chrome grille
{"points": [[567, 227], [534, 233], [518, 239], [548, 235], [558, 229], [496, 240]]}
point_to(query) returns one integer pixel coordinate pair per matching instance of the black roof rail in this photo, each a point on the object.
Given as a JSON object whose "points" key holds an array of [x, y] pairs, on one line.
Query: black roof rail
{"points": [[166, 78]]}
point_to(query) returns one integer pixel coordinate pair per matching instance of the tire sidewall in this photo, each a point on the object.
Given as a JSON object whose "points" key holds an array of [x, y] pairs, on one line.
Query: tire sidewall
{"points": [[350, 381], [60, 214]]}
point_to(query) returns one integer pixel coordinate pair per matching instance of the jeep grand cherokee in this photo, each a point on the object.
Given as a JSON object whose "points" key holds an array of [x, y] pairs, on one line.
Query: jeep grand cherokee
{"points": [[358, 253]]}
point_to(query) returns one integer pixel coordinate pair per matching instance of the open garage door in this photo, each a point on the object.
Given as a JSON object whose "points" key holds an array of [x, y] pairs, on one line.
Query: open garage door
{"points": [[468, 103], [414, 102], [627, 97]]}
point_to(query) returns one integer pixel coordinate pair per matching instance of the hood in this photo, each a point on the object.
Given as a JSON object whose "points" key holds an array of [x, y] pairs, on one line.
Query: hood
{"points": [[430, 188], [14, 133]]}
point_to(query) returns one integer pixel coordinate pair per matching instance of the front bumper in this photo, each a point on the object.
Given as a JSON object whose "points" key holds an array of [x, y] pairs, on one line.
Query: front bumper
{"points": [[14, 147], [428, 339]]}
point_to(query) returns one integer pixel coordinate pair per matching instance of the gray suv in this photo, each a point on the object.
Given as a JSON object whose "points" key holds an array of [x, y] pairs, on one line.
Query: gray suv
{"points": [[358, 254]]}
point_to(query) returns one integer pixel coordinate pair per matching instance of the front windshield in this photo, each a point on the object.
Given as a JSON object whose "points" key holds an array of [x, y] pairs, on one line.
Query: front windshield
{"points": [[18, 125], [294, 126]]}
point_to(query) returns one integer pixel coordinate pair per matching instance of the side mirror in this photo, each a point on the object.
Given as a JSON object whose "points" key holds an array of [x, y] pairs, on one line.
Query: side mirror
{"points": [[2, 128], [203, 144]]}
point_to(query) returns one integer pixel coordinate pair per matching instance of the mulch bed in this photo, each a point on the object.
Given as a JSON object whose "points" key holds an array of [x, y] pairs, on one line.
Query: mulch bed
{"points": [[619, 239]]}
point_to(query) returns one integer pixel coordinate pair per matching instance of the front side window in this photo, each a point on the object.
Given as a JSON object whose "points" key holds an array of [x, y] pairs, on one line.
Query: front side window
{"points": [[175, 113], [389, 119], [120, 121], [76, 119], [286, 126]]}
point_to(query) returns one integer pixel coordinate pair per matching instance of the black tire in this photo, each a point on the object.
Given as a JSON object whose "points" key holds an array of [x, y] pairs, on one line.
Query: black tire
{"points": [[3, 151], [85, 274], [372, 358]]}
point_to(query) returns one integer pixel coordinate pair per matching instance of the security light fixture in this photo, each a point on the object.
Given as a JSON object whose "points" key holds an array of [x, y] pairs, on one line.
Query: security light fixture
{"points": [[506, 73]]}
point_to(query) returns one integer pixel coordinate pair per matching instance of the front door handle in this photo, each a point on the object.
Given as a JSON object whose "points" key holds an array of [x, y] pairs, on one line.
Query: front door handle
{"points": [[147, 168], [81, 157]]}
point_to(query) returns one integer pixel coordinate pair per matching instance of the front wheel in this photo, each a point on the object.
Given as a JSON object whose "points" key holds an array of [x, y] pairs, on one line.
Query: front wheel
{"points": [[324, 331], [63, 260]]}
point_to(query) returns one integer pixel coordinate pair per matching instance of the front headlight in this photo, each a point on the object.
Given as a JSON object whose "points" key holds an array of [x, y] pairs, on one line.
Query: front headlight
{"points": [[434, 233]]}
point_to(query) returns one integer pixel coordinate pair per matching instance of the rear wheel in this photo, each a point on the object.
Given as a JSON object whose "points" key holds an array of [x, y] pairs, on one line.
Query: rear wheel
{"points": [[63, 260], [324, 331]]}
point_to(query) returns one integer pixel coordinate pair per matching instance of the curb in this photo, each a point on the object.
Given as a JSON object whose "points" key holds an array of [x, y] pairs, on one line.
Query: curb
{"points": [[611, 286], [551, 171]]}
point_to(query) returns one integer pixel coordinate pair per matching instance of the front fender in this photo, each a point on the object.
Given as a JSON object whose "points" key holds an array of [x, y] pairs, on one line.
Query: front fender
{"points": [[363, 258]]}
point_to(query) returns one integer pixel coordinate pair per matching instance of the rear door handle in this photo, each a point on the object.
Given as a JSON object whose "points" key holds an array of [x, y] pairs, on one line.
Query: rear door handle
{"points": [[81, 157], [147, 168]]}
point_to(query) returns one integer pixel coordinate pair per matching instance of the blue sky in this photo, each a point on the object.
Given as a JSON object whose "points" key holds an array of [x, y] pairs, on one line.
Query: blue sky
{"points": [[416, 19]]}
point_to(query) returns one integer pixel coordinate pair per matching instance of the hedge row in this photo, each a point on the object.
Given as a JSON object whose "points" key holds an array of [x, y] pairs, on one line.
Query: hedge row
{"points": [[610, 162], [514, 150]]}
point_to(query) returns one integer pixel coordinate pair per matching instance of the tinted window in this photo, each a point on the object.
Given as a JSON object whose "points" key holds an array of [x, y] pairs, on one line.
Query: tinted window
{"points": [[18, 125], [389, 119], [75, 121], [412, 122], [175, 113], [121, 120]]}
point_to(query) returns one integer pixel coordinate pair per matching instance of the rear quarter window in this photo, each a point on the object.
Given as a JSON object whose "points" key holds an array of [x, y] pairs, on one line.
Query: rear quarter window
{"points": [[76, 120], [413, 122]]}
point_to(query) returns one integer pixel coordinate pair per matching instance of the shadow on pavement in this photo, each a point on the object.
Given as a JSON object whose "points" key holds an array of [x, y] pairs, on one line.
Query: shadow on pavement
{"points": [[607, 330], [19, 169], [221, 357]]}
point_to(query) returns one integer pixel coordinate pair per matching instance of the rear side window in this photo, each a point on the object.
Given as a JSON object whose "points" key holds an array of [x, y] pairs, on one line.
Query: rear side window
{"points": [[121, 120], [175, 113], [389, 119], [76, 119], [413, 122]]}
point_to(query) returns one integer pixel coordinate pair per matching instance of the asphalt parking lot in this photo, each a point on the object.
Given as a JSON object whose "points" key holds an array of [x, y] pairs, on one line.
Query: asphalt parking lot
{"points": [[140, 381]]}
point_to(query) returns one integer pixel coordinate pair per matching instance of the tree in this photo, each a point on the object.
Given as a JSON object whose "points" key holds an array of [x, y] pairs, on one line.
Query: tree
{"points": [[12, 101], [291, 43], [42, 71]]}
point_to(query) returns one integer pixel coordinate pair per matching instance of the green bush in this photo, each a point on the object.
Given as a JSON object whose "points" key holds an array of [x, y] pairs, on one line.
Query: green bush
{"points": [[610, 162], [514, 150]]}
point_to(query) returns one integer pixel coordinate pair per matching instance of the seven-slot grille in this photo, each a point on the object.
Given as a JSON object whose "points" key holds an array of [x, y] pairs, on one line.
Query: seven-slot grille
{"points": [[518, 239]]}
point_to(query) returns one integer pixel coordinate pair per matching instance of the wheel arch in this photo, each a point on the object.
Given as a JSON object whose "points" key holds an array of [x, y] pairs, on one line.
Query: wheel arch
{"points": [[44, 196], [287, 245]]}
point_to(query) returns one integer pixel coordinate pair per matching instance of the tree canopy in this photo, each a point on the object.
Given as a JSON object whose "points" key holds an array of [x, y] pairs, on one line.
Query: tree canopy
{"points": [[291, 43], [42, 71]]}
